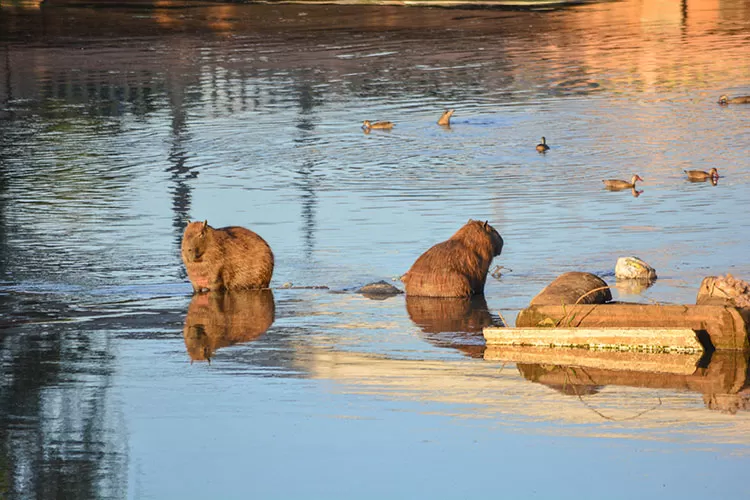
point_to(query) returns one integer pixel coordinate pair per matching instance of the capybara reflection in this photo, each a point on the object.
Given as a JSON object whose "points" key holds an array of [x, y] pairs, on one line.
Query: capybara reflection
{"points": [[563, 379], [225, 258], [220, 319], [451, 322], [458, 266]]}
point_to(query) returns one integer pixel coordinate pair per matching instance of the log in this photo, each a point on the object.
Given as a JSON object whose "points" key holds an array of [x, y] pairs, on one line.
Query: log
{"points": [[644, 339], [718, 327], [574, 287]]}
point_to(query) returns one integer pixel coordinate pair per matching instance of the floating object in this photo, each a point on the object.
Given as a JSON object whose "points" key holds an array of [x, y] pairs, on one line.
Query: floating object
{"points": [[542, 148], [718, 327], [616, 338], [574, 287], [701, 176], [745, 99], [619, 185], [367, 125], [445, 119], [634, 268]]}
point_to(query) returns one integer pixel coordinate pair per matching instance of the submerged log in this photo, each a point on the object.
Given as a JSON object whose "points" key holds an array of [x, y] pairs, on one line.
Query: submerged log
{"points": [[717, 326]]}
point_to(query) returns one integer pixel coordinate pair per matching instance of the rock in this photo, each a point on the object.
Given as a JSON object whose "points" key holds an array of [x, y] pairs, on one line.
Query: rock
{"points": [[724, 289], [633, 268], [572, 288], [379, 289]]}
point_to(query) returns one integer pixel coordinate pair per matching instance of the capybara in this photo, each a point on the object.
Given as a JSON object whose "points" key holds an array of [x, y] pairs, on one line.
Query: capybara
{"points": [[225, 258], [219, 319], [458, 266]]}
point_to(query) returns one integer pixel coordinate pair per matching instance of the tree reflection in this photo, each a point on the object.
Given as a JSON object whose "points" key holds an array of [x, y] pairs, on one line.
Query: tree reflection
{"points": [[56, 438]]}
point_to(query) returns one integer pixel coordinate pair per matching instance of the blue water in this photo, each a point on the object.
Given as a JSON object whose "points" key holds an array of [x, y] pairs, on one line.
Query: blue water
{"points": [[117, 126]]}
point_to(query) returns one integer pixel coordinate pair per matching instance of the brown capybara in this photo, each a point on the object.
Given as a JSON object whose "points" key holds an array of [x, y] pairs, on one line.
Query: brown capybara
{"points": [[458, 266], [225, 258], [219, 319]]}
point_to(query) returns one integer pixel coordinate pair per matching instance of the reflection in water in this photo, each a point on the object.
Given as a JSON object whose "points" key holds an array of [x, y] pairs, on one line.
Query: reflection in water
{"points": [[724, 382], [181, 173], [633, 286], [451, 322], [215, 320], [55, 431], [308, 202]]}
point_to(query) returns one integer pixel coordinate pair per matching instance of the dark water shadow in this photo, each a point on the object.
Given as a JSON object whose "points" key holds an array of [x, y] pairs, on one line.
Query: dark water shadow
{"points": [[218, 319], [452, 322]]}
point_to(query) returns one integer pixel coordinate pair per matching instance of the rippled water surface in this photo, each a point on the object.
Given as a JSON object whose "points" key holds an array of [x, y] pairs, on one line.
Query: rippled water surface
{"points": [[119, 125]]}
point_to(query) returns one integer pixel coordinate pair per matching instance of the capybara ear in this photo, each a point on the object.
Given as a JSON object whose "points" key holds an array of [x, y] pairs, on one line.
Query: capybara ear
{"points": [[204, 226]]}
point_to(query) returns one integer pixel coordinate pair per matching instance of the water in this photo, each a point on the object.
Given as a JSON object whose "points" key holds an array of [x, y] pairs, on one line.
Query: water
{"points": [[119, 125]]}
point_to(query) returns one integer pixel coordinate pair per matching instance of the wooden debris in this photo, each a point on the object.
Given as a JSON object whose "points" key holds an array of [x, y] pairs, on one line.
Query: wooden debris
{"points": [[639, 339], [717, 326]]}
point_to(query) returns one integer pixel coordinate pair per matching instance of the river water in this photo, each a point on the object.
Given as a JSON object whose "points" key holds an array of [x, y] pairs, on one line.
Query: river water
{"points": [[119, 125]]}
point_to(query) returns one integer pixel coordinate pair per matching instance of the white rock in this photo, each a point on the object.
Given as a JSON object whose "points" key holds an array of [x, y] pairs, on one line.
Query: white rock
{"points": [[634, 268]]}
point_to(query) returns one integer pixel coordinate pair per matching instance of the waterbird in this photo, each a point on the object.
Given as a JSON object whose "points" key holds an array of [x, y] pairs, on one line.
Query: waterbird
{"points": [[543, 146], [743, 99], [618, 185], [445, 118], [700, 175], [367, 125]]}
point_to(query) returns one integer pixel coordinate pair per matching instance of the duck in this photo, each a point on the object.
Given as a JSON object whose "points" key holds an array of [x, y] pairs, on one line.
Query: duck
{"points": [[617, 184], [743, 99], [700, 175], [543, 146], [367, 125], [445, 118]]}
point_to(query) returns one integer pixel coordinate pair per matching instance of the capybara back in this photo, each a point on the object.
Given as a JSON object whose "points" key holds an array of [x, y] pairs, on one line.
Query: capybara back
{"points": [[458, 266], [225, 258]]}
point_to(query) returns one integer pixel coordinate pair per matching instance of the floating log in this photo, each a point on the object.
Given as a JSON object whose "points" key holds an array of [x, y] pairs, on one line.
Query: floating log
{"points": [[718, 327], [574, 287], [646, 339]]}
